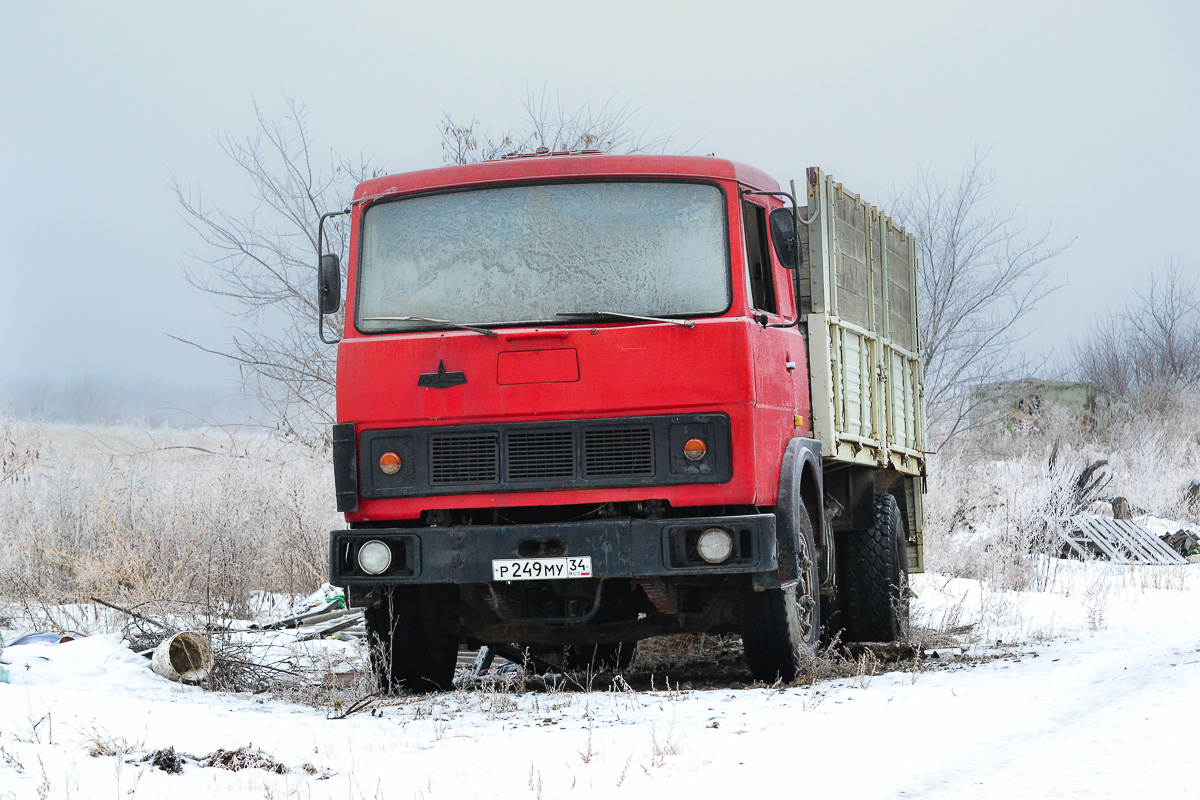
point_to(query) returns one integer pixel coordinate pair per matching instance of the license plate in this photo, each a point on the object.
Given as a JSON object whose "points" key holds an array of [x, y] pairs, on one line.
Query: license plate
{"points": [[533, 569]]}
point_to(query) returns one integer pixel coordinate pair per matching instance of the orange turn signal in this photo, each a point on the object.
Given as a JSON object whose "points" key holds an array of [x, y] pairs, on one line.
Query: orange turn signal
{"points": [[389, 463], [694, 449]]}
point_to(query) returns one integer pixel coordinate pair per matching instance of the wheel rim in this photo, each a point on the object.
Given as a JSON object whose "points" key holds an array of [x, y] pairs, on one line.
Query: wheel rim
{"points": [[806, 603]]}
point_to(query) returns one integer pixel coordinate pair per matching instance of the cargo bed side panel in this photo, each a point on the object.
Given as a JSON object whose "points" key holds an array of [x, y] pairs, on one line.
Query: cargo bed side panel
{"points": [[858, 287]]}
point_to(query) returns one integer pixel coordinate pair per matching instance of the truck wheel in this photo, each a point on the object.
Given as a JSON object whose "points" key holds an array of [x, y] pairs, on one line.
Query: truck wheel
{"points": [[877, 577], [778, 625], [410, 640], [600, 657]]}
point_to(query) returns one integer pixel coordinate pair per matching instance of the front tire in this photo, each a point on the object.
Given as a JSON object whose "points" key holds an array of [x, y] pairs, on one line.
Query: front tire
{"points": [[877, 577], [780, 625], [411, 639]]}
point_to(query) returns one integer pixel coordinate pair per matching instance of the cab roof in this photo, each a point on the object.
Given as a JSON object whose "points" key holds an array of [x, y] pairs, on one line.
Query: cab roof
{"points": [[552, 166]]}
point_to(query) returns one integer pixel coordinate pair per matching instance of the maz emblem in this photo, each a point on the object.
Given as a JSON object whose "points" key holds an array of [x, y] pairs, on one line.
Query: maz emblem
{"points": [[441, 379]]}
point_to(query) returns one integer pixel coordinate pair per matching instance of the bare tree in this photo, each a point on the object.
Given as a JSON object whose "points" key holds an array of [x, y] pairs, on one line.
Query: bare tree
{"points": [[982, 273], [1102, 357], [1154, 340], [261, 264], [548, 123]]}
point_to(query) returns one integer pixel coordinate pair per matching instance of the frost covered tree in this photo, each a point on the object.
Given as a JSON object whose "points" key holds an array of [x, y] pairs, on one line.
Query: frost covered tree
{"points": [[1153, 342], [547, 122], [982, 273], [259, 263]]}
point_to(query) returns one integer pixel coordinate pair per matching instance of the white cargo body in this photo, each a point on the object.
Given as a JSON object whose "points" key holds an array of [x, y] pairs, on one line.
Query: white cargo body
{"points": [[859, 301], [858, 292]]}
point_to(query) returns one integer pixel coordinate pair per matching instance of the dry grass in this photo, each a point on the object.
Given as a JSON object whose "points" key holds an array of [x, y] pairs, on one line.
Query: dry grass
{"points": [[666, 653], [200, 517], [185, 528]]}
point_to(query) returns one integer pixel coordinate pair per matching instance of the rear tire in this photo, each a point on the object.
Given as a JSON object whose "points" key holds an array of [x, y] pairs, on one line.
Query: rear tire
{"points": [[780, 625], [409, 634], [877, 577]]}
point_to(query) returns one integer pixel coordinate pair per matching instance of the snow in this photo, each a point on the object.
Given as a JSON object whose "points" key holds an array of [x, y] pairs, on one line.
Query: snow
{"points": [[1092, 692]]}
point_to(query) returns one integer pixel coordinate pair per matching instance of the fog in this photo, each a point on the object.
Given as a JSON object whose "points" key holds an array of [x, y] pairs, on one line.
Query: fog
{"points": [[1088, 111]]}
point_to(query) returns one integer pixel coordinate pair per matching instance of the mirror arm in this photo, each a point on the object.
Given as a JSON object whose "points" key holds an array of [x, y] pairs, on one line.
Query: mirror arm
{"points": [[796, 231], [795, 213], [321, 252]]}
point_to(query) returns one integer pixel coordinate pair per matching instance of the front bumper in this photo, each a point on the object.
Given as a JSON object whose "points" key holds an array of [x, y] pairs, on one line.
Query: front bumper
{"points": [[619, 548]]}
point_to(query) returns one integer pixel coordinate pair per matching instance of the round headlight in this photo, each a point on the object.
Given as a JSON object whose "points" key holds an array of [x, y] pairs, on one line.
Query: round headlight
{"points": [[715, 545], [374, 557], [695, 449]]}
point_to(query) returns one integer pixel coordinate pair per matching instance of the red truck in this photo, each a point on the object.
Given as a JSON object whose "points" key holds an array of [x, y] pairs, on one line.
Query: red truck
{"points": [[588, 399]]}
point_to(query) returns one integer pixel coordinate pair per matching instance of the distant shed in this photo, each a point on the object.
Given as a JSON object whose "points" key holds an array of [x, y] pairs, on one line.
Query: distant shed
{"points": [[1018, 405]]}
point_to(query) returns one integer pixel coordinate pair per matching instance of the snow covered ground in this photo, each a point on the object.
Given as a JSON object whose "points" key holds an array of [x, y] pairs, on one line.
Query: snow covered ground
{"points": [[1093, 690]]}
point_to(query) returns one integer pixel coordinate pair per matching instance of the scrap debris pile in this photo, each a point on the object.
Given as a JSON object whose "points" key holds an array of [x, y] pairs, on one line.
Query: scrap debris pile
{"points": [[226, 654], [1124, 540], [1185, 542], [323, 614]]}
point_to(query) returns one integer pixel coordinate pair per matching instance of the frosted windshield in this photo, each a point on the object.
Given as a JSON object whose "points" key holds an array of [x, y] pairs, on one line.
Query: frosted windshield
{"points": [[525, 253]]}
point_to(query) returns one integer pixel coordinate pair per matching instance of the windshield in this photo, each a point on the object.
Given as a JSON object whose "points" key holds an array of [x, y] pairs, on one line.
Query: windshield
{"points": [[528, 253]]}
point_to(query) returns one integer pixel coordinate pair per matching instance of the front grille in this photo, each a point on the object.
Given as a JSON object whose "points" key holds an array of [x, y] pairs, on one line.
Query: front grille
{"points": [[544, 455], [464, 459], [535, 455], [618, 451]]}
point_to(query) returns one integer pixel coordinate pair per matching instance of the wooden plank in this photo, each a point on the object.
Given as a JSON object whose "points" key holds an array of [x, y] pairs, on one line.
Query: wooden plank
{"points": [[1121, 541], [1155, 545]]}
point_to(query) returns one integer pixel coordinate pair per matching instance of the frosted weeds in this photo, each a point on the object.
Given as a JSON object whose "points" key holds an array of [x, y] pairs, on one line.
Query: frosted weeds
{"points": [[994, 501], [190, 516]]}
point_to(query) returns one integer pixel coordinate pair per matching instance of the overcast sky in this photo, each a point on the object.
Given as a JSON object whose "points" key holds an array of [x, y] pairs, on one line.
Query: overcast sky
{"points": [[1091, 111]]}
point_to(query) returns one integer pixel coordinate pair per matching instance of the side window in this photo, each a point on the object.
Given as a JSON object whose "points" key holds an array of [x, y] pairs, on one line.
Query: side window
{"points": [[758, 258]]}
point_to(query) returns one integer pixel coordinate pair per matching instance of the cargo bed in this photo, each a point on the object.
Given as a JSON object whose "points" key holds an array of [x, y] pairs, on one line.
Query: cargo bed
{"points": [[858, 298]]}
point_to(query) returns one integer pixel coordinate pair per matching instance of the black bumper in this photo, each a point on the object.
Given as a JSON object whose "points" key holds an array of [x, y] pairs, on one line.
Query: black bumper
{"points": [[619, 548]]}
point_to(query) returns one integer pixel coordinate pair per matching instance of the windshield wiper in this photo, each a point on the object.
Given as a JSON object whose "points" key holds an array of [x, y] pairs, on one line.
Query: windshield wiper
{"points": [[463, 326], [684, 322]]}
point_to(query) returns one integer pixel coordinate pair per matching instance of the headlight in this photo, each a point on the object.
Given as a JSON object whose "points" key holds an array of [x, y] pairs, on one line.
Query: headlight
{"points": [[374, 557], [715, 545], [695, 449]]}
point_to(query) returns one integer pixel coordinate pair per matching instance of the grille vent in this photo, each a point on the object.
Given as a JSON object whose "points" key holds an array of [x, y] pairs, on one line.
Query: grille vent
{"points": [[464, 458], [618, 451], [537, 455]]}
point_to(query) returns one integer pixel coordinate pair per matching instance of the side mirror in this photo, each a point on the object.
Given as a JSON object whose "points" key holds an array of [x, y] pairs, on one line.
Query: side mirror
{"points": [[329, 284], [785, 237]]}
